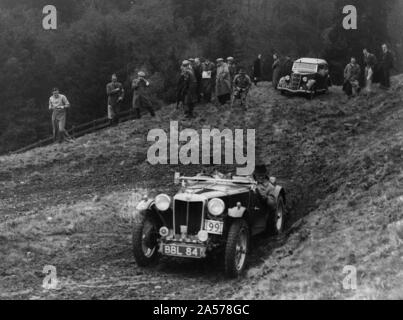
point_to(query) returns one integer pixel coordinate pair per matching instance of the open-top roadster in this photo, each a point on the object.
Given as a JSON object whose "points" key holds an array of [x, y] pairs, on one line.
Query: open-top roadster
{"points": [[208, 213]]}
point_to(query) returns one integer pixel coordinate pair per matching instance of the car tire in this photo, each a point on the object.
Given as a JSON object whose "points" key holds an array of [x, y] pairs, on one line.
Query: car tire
{"points": [[144, 237], [278, 218], [236, 248]]}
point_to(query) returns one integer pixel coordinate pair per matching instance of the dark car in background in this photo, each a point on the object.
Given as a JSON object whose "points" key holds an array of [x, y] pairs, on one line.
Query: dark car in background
{"points": [[309, 76]]}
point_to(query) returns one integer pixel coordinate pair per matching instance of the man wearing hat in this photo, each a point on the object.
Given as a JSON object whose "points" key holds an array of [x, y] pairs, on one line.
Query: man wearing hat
{"points": [[190, 88], [207, 82], [263, 182], [223, 82], [242, 83], [232, 68], [140, 99], [115, 93], [197, 68]]}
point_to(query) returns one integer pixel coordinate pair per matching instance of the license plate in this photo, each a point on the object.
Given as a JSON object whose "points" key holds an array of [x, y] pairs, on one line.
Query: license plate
{"points": [[214, 227], [183, 251]]}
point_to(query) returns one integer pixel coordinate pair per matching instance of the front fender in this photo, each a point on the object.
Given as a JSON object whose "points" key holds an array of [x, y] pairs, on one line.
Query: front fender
{"points": [[147, 207], [144, 207], [279, 191]]}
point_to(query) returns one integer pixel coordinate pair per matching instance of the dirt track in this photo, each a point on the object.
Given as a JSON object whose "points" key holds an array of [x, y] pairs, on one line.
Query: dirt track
{"points": [[341, 162]]}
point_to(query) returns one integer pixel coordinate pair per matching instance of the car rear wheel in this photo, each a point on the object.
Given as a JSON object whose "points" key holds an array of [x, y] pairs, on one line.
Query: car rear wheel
{"points": [[278, 219], [236, 248], [145, 245]]}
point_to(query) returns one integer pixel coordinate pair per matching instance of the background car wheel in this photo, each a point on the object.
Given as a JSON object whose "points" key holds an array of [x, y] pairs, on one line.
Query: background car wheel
{"points": [[278, 218], [312, 95], [144, 236], [236, 248]]}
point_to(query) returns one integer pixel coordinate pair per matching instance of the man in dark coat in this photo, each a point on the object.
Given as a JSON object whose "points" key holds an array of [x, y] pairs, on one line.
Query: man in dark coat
{"points": [[276, 70], [115, 93], [190, 88], [180, 89], [386, 66], [257, 69], [208, 79], [287, 67], [140, 98], [197, 68]]}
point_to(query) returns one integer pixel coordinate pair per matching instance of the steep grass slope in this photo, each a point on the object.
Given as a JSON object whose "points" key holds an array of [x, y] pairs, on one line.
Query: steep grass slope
{"points": [[340, 160]]}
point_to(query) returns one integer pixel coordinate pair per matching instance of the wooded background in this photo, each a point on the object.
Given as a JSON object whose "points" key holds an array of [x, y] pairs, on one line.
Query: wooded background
{"points": [[96, 38]]}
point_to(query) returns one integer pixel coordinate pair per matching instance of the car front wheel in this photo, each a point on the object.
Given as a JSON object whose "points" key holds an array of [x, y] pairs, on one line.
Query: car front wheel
{"points": [[145, 245], [237, 248]]}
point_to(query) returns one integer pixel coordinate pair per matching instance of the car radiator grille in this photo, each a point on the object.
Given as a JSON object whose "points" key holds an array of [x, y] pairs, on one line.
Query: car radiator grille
{"points": [[188, 214], [295, 81]]}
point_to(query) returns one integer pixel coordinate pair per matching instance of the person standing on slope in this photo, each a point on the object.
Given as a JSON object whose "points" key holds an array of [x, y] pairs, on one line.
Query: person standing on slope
{"points": [[115, 93], [352, 74], [140, 99], [276, 70], [257, 69], [386, 65], [58, 104], [207, 82], [232, 68], [197, 68], [223, 82], [190, 88], [370, 64]]}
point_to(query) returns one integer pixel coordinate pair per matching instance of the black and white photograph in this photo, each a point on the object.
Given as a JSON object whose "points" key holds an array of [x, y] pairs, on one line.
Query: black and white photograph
{"points": [[208, 153]]}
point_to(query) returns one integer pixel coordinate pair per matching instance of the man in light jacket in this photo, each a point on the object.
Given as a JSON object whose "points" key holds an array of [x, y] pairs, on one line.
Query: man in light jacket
{"points": [[58, 104], [352, 74], [223, 82]]}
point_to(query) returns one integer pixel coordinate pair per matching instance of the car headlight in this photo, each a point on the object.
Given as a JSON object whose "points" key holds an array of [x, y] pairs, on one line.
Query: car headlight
{"points": [[216, 207], [287, 78], [162, 202], [305, 79]]}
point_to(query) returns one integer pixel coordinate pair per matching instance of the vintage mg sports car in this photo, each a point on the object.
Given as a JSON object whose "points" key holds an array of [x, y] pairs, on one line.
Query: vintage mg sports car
{"points": [[208, 213], [309, 76]]}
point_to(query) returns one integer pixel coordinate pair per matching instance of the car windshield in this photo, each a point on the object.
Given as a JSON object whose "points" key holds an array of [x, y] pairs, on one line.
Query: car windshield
{"points": [[304, 67]]}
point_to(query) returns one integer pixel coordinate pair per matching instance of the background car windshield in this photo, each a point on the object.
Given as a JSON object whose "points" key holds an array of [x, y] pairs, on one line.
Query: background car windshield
{"points": [[305, 67]]}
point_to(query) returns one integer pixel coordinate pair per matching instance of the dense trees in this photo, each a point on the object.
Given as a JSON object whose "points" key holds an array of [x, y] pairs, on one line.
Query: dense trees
{"points": [[98, 37]]}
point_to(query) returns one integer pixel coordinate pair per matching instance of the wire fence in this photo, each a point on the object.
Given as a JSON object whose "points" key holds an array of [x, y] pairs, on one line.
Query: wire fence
{"points": [[80, 130]]}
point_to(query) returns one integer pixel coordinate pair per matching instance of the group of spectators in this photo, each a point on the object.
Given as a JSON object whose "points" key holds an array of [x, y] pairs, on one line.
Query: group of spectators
{"points": [[201, 80], [373, 69], [116, 93]]}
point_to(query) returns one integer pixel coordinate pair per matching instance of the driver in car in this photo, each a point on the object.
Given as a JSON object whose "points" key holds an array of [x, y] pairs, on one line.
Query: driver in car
{"points": [[264, 186]]}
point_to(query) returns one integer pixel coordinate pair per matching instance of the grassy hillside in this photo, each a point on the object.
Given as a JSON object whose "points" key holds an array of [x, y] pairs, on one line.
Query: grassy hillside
{"points": [[340, 160]]}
